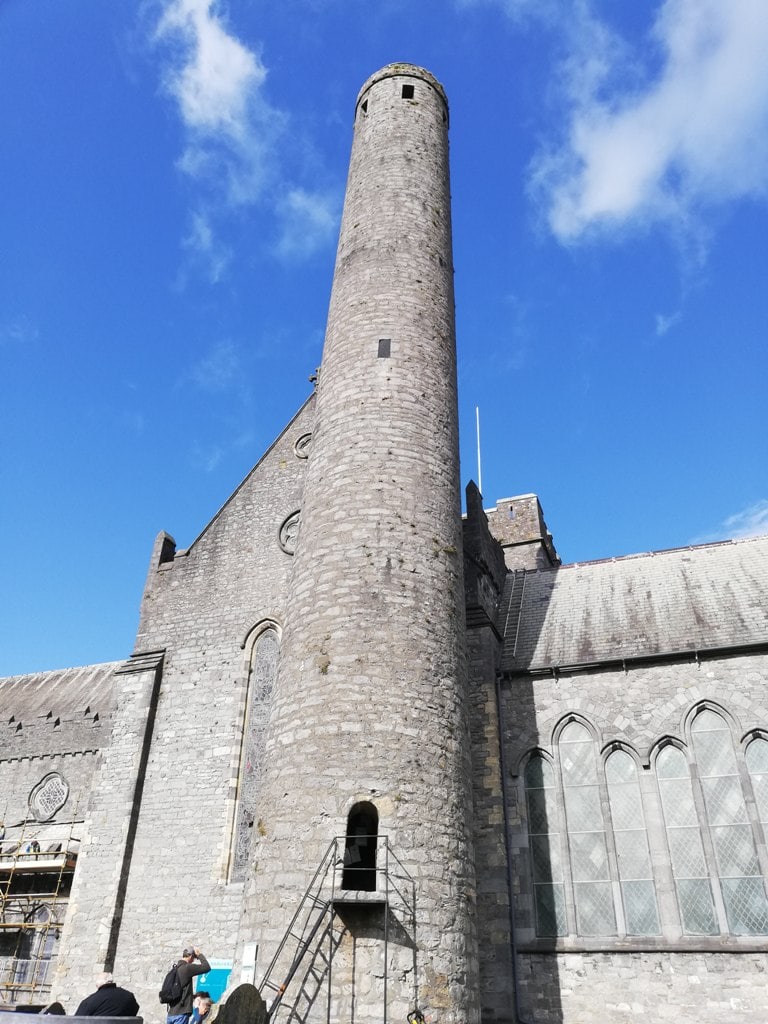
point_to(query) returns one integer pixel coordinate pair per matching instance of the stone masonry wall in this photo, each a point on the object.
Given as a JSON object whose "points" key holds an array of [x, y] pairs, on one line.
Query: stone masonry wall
{"points": [[53, 722], [638, 705], [640, 988], [493, 923], [92, 926], [518, 525], [202, 608], [693, 980], [19, 775], [484, 575]]}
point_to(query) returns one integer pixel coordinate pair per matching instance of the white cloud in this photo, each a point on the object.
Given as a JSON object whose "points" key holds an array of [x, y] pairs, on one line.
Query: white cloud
{"points": [[308, 221], [221, 380], [694, 135], [220, 370], [519, 9], [665, 322], [216, 81], [206, 457], [750, 522], [19, 331], [232, 149], [202, 242], [217, 72]]}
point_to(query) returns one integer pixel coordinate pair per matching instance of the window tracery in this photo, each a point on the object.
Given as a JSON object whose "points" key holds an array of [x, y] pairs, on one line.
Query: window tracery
{"points": [[733, 841], [638, 892], [262, 674], [591, 875], [686, 850], [545, 844], [757, 766], [596, 863]]}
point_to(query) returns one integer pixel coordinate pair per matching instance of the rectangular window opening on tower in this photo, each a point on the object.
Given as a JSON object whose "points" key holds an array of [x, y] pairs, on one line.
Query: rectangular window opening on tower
{"points": [[384, 347], [364, 106], [407, 92]]}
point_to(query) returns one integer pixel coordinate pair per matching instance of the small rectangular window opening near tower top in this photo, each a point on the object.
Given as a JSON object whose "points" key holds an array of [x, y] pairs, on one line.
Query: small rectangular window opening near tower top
{"points": [[364, 106], [384, 347], [407, 92]]}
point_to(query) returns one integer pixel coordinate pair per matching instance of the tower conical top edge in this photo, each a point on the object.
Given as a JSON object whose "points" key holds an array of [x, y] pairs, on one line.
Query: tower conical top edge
{"points": [[404, 70]]}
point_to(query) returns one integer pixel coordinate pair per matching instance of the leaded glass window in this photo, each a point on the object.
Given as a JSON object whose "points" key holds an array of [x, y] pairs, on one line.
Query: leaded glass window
{"points": [[689, 866], [590, 871], [757, 765], [579, 815], [263, 671], [638, 892], [737, 865], [545, 839]]}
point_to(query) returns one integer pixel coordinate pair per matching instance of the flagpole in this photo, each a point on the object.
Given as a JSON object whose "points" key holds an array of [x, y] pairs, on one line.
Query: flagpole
{"points": [[479, 466]]}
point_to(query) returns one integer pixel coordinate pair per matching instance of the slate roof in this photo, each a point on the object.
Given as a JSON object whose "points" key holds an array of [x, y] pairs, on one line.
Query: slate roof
{"points": [[655, 604], [68, 694]]}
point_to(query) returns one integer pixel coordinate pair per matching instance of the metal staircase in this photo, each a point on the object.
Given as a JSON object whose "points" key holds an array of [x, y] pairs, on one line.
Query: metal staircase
{"points": [[303, 959]]}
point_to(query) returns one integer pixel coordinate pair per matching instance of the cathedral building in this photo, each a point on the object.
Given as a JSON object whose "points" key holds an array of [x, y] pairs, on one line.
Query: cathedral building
{"points": [[386, 761]]}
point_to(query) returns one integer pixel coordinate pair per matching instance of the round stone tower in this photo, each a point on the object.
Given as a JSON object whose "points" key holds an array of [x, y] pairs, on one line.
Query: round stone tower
{"points": [[368, 731]]}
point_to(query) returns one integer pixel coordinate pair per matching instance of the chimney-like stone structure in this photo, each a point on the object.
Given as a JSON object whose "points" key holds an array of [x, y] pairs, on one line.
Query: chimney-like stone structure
{"points": [[518, 525], [370, 704]]}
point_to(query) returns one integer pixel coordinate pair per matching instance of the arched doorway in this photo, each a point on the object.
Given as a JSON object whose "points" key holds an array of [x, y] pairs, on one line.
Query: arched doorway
{"points": [[360, 848]]}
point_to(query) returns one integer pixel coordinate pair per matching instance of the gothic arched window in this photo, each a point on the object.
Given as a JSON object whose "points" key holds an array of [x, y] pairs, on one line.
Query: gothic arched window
{"points": [[544, 838], [263, 670], [733, 841], [689, 866], [757, 766], [638, 892], [590, 871], [594, 855]]}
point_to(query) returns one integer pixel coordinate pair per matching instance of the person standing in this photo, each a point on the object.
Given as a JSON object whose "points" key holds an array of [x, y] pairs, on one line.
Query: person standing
{"points": [[180, 1011], [109, 1000]]}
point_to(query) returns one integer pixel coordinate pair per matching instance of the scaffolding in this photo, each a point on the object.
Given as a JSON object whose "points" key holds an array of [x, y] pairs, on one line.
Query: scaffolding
{"points": [[37, 864]]}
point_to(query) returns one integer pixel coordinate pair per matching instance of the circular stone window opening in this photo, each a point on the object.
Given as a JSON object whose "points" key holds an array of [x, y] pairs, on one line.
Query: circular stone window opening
{"points": [[289, 532], [48, 796]]}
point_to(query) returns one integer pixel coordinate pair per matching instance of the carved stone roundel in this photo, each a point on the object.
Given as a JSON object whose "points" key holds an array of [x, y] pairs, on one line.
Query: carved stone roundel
{"points": [[301, 448], [48, 796], [289, 532]]}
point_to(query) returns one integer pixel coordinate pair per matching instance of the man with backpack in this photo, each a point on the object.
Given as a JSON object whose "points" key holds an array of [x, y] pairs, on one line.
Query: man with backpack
{"points": [[177, 987]]}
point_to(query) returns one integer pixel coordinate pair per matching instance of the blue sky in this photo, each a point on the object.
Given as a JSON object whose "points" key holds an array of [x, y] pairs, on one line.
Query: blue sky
{"points": [[171, 180]]}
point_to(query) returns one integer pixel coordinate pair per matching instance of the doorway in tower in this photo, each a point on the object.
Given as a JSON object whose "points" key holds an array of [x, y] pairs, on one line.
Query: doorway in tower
{"points": [[360, 848]]}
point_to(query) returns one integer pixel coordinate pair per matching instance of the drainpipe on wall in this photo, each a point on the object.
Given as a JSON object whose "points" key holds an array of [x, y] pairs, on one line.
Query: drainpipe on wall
{"points": [[508, 850]]}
